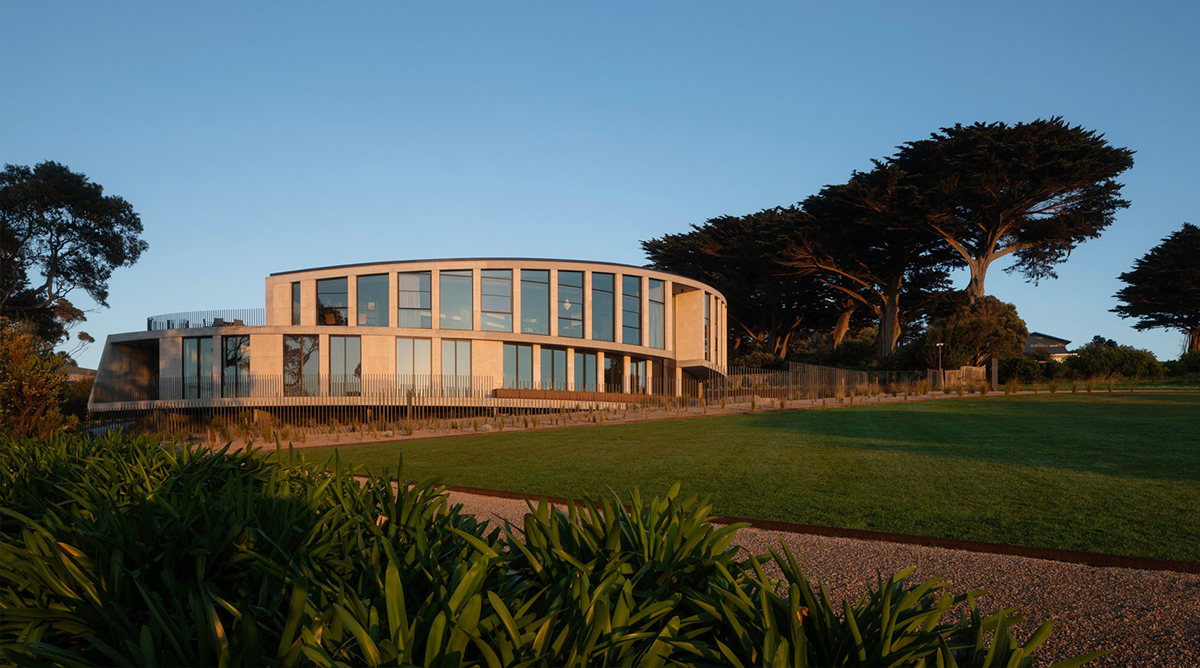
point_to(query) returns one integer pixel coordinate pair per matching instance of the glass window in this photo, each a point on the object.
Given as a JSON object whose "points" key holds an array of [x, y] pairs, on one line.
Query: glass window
{"points": [[333, 302], [235, 379], [456, 301], [570, 304], [295, 303], [413, 303], [373, 301], [301, 366], [707, 330], [456, 367], [345, 366], [535, 301], [413, 359], [614, 380], [631, 310], [197, 367], [495, 300], [554, 369], [602, 307], [585, 372], [658, 310], [637, 376], [518, 366]]}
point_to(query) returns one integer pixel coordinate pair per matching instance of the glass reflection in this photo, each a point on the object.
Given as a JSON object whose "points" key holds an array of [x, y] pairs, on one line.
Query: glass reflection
{"points": [[373, 301], [518, 366], [301, 366], [197, 367], [413, 304], [235, 379], [585, 372], [333, 302], [657, 314], [455, 299], [631, 310], [570, 304], [295, 303], [603, 319], [535, 301], [495, 308], [345, 366], [554, 369]]}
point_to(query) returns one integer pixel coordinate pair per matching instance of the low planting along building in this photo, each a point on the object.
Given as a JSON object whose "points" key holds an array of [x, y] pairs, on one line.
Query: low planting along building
{"points": [[482, 332]]}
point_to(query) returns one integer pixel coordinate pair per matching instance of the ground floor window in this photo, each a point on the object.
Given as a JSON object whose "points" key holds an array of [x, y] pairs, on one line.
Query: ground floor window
{"points": [[235, 377], [518, 366], [638, 380], [585, 372], [414, 359], [614, 374], [197, 367], [345, 366], [554, 369], [456, 367], [301, 366]]}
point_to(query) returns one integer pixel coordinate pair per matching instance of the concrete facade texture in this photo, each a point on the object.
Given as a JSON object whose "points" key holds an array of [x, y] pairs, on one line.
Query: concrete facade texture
{"points": [[673, 338]]}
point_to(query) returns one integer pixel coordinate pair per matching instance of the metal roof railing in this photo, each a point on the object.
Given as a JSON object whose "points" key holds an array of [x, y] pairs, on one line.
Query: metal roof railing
{"points": [[251, 317]]}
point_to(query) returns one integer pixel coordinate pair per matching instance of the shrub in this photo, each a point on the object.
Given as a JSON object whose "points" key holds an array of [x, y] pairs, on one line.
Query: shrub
{"points": [[118, 551], [1023, 368], [31, 383]]}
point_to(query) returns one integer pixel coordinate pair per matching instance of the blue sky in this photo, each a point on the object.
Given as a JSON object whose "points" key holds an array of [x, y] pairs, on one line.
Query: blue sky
{"points": [[268, 136]]}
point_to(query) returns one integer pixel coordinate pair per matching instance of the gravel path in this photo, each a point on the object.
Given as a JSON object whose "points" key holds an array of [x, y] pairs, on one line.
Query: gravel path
{"points": [[1148, 618]]}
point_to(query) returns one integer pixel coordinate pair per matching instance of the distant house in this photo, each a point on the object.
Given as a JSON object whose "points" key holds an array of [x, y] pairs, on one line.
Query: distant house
{"points": [[1052, 344], [76, 374]]}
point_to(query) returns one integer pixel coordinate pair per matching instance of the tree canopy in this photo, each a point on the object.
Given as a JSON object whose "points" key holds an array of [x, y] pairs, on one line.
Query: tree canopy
{"points": [[59, 233], [1163, 288], [736, 255], [864, 240], [1034, 190]]}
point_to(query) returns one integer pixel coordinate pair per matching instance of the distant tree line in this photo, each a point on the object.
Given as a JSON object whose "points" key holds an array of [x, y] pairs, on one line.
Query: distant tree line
{"points": [[874, 254]]}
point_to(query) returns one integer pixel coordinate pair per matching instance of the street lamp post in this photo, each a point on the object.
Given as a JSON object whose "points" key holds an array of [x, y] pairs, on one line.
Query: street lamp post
{"points": [[941, 374]]}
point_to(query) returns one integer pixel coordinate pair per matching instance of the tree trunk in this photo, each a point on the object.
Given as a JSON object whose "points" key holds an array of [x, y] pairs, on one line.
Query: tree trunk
{"points": [[1193, 343], [843, 322], [889, 323], [978, 269]]}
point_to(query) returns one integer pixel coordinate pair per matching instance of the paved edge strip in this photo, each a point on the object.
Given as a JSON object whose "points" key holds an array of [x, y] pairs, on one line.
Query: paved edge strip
{"points": [[1097, 559]]}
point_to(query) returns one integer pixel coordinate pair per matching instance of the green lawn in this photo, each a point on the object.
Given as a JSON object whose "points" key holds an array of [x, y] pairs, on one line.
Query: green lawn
{"points": [[1102, 473]]}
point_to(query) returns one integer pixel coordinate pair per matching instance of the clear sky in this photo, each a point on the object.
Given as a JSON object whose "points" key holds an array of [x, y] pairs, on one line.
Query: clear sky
{"points": [[269, 136]]}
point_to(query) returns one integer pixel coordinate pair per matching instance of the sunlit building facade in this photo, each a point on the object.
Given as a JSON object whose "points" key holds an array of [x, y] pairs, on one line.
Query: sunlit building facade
{"points": [[495, 328]]}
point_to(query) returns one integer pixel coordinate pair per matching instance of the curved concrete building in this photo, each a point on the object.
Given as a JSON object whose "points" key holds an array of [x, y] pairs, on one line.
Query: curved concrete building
{"points": [[500, 329]]}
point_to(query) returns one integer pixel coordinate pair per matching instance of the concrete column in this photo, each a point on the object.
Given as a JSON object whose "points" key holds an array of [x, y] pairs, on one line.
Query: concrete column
{"points": [[678, 380], [600, 371], [393, 299], [537, 366], [516, 301], [571, 368], [476, 299], [308, 302], [435, 358], [669, 316], [323, 369], [625, 374], [587, 305], [352, 301], [218, 363], [435, 304], [553, 302]]}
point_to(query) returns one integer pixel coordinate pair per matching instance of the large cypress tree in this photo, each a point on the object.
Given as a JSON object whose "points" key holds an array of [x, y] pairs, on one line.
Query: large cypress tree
{"points": [[1034, 190], [1163, 288], [864, 240]]}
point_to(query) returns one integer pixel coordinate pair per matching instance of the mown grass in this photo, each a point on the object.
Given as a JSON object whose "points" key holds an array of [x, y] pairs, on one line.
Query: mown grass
{"points": [[1103, 473]]}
